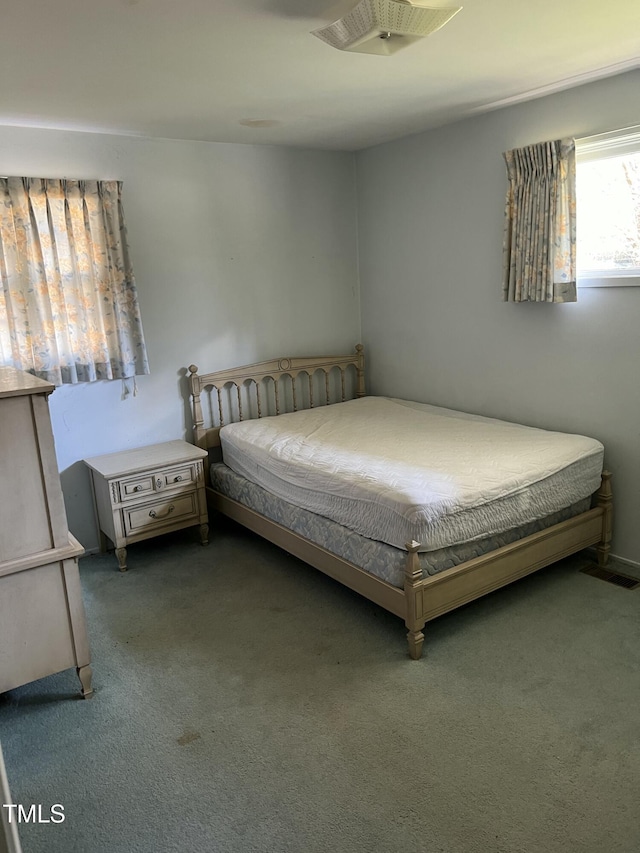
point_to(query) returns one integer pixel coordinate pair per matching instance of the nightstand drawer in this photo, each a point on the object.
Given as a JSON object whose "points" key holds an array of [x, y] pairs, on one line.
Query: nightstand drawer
{"points": [[136, 487], [180, 476], [158, 513], [149, 482]]}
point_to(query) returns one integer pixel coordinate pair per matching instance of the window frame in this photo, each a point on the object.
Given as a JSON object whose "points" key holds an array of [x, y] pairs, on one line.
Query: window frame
{"points": [[600, 147]]}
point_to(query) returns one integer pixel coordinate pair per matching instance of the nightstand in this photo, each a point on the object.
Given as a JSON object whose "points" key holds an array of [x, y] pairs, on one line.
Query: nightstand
{"points": [[147, 491]]}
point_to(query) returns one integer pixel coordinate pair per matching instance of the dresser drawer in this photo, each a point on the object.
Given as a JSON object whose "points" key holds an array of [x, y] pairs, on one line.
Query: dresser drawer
{"points": [[155, 514]]}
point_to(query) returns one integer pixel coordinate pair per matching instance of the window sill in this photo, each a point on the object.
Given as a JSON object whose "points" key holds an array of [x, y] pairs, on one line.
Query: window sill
{"points": [[609, 281]]}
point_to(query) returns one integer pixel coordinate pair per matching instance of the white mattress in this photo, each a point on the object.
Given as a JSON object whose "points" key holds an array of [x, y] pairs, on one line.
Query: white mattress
{"points": [[394, 471]]}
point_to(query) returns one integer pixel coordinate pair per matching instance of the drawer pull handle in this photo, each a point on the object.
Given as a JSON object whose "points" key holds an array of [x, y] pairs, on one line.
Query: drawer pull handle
{"points": [[177, 479], [154, 514], [158, 482], [137, 489]]}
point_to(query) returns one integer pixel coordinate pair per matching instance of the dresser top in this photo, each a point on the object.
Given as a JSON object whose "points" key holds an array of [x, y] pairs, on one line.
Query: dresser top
{"points": [[145, 458], [14, 383]]}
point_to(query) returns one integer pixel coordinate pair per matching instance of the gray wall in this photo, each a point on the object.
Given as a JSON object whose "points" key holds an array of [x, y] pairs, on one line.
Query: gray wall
{"points": [[245, 252], [430, 210], [240, 252]]}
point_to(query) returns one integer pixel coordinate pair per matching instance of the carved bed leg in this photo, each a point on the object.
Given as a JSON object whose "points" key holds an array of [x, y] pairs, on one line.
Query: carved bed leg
{"points": [[85, 674], [604, 498], [415, 639], [413, 596], [204, 534]]}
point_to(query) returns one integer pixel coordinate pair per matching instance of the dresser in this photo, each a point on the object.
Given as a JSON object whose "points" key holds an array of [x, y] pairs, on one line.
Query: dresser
{"points": [[42, 619], [146, 491]]}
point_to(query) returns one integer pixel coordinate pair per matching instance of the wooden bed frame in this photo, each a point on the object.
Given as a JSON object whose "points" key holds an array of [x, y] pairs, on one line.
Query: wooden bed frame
{"points": [[258, 386]]}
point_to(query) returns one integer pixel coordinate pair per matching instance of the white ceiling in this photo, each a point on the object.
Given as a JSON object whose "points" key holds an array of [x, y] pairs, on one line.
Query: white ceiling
{"points": [[196, 69]]}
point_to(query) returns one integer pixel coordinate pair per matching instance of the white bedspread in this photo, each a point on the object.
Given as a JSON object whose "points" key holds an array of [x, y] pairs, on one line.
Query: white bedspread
{"points": [[394, 471]]}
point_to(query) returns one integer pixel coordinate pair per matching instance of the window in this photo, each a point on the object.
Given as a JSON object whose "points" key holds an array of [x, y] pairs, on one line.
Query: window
{"points": [[68, 302], [608, 209]]}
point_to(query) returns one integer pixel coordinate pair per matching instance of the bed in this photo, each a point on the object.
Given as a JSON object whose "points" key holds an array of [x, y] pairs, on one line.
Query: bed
{"points": [[348, 484]]}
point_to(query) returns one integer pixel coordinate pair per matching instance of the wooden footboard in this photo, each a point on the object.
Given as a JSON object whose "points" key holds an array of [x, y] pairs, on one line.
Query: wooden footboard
{"points": [[429, 597], [423, 599]]}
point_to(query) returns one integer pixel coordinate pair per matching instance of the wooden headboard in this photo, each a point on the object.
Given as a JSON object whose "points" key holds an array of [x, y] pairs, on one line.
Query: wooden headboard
{"points": [[271, 388]]}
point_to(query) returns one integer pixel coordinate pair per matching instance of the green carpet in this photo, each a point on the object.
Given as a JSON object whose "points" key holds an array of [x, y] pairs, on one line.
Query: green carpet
{"points": [[245, 702]]}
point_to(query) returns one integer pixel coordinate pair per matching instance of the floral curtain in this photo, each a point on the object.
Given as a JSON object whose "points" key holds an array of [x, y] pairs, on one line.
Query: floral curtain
{"points": [[68, 303], [539, 251]]}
